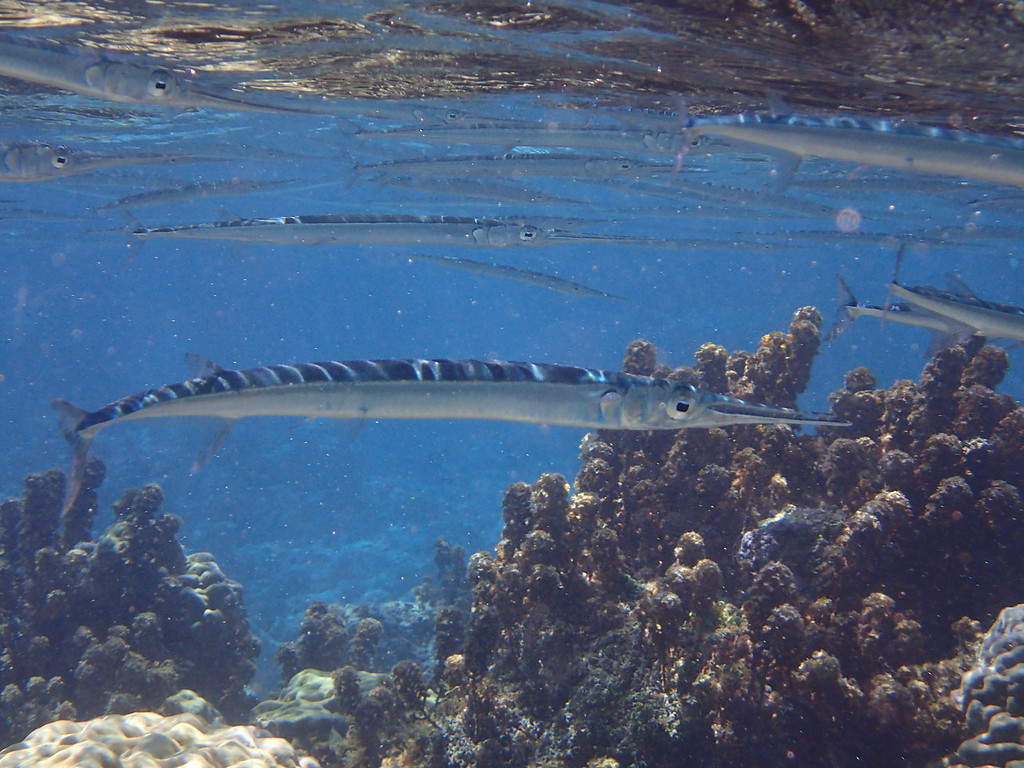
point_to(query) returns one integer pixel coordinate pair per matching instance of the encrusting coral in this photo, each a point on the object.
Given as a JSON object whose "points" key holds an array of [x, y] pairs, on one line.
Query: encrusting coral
{"points": [[150, 740], [114, 625], [734, 596]]}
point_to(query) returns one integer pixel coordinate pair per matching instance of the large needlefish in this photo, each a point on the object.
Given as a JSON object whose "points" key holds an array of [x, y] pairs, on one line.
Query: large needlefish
{"points": [[90, 73], [425, 389], [396, 229], [789, 138]]}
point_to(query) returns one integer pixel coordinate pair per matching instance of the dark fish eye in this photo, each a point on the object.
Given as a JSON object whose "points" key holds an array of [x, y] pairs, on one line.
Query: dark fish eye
{"points": [[527, 233], [682, 406], [60, 160], [160, 82]]}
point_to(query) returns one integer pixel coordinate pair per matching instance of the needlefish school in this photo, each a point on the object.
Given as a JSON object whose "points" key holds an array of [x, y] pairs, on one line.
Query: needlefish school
{"points": [[425, 389]]}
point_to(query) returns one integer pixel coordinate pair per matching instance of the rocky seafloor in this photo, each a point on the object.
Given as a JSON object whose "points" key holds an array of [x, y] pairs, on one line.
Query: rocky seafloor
{"points": [[719, 597]]}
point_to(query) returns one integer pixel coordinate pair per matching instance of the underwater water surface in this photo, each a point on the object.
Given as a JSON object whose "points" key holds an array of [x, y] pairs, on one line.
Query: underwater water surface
{"points": [[567, 117]]}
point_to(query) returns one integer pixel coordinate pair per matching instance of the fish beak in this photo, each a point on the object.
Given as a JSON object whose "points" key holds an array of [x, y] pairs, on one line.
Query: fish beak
{"points": [[721, 410], [199, 98], [586, 237]]}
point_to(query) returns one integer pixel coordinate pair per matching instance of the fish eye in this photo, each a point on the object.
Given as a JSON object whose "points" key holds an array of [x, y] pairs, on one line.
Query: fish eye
{"points": [[625, 165], [60, 159], [160, 82], [527, 233], [680, 408]]}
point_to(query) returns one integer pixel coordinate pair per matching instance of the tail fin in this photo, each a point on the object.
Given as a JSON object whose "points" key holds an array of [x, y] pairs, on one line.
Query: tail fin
{"points": [[69, 417], [844, 316]]}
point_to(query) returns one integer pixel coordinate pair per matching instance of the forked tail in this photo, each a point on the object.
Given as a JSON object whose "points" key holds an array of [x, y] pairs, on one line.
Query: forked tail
{"points": [[844, 316], [69, 417]]}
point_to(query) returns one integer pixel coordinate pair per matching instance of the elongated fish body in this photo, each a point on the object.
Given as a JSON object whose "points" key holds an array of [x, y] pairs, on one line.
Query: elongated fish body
{"points": [[391, 230], [37, 161], [506, 272], [427, 389], [904, 314], [611, 139], [521, 165], [89, 73], [985, 318], [872, 143]]}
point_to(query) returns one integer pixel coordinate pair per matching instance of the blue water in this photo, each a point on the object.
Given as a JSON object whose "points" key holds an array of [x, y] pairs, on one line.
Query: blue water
{"points": [[303, 511]]}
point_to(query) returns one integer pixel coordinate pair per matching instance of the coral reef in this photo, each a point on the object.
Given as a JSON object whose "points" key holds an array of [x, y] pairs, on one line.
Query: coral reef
{"points": [[304, 709], [339, 704], [113, 625], [332, 636], [151, 740], [992, 695], [742, 596], [726, 597]]}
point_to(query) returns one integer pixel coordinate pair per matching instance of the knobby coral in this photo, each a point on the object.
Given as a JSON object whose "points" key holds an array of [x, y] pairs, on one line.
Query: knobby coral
{"points": [[113, 625], [732, 596]]}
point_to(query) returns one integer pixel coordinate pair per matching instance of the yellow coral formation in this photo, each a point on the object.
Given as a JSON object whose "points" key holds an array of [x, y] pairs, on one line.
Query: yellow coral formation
{"points": [[149, 740]]}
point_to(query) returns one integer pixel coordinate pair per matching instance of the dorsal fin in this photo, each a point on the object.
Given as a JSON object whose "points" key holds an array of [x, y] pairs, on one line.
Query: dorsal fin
{"points": [[959, 287], [777, 106], [201, 367]]}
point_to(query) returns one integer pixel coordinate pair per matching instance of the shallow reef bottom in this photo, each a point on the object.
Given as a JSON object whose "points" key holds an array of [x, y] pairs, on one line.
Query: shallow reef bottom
{"points": [[719, 597]]}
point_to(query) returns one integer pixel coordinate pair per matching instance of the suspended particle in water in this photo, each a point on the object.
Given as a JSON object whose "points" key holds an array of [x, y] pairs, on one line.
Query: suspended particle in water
{"points": [[848, 220]]}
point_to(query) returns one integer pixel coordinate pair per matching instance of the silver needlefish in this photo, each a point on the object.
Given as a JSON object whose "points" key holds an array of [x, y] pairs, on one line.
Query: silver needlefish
{"points": [[90, 73], [38, 161], [397, 229], [789, 138], [196, 191], [503, 135], [492, 390], [514, 165], [947, 331], [506, 272], [975, 315]]}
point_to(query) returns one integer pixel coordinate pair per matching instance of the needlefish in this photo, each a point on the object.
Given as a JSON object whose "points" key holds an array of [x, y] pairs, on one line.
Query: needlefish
{"points": [[789, 138], [947, 331], [532, 393], [386, 229], [38, 161], [952, 314], [90, 73]]}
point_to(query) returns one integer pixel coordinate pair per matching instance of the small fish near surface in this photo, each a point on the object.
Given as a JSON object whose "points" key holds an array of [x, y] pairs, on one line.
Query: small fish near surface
{"points": [[789, 138], [89, 73], [424, 389], [397, 229], [38, 161]]}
